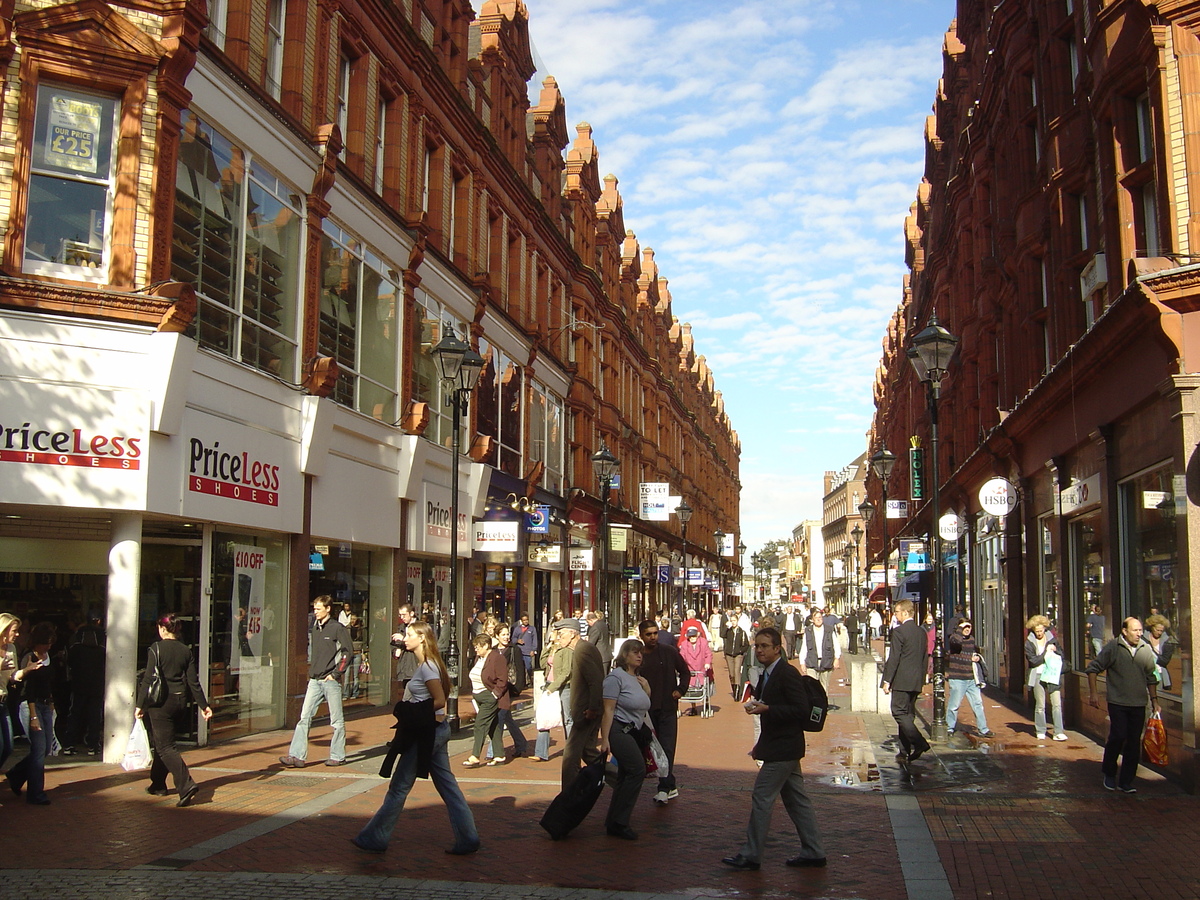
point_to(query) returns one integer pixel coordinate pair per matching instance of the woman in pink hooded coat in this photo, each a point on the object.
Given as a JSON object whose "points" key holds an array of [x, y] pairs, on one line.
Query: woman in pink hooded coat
{"points": [[698, 655]]}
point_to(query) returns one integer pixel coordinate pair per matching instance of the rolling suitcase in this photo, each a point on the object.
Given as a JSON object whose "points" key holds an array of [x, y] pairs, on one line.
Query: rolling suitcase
{"points": [[571, 807]]}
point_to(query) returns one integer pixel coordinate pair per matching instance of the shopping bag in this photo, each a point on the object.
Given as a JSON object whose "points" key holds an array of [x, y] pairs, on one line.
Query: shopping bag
{"points": [[1154, 741], [137, 750], [548, 711]]}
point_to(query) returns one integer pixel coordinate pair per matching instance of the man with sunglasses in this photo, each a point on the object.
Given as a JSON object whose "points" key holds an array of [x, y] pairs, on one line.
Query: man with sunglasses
{"points": [[961, 678]]}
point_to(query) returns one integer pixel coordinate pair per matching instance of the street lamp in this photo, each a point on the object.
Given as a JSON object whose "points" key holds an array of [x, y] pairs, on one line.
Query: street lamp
{"points": [[756, 561], [719, 539], [685, 515], [931, 352], [460, 367], [605, 465], [857, 533], [882, 463]]}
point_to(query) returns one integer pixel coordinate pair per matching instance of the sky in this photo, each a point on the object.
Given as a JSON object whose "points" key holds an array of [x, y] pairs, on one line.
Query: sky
{"points": [[768, 152]]}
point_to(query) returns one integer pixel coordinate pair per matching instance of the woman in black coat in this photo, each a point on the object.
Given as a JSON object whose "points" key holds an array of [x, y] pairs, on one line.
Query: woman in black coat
{"points": [[178, 666]]}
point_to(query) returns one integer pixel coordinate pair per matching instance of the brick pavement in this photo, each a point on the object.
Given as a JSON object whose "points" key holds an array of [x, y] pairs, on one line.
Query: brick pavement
{"points": [[1008, 818]]}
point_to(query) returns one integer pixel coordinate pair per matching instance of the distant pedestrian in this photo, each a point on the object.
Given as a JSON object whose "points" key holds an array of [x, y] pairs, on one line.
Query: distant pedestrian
{"points": [[875, 622], [1094, 628], [626, 702], [525, 639], [820, 649], [1045, 674], [330, 651], [175, 661], [736, 642], [489, 689], [904, 678], [961, 663], [421, 737], [779, 702], [1163, 645], [1129, 665]]}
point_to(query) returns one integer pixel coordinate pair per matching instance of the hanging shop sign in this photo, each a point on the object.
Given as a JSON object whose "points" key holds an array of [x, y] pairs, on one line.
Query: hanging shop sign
{"points": [[664, 574], [951, 526], [581, 559], [695, 576], [537, 520], [618, 537], [914, 556], [916, 471], [998, 497], [545, 554], [897, 509], [726, 548]]}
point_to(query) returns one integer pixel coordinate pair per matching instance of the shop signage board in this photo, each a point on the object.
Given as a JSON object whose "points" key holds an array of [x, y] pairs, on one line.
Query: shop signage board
{"points": [[897, 509], [249, 586], [581, 559], [951, 527], [537, 520], [998, 497], [492, 537], [695, 576], [727, 545], [429, 522], [653, 500], [548, 554], [74, 446], [1079, 495]]}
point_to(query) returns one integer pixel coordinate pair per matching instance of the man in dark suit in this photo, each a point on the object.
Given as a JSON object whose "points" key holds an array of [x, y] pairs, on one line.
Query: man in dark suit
{"points": [[599, 637], [587, 702], [780, 701], [904, 677]]}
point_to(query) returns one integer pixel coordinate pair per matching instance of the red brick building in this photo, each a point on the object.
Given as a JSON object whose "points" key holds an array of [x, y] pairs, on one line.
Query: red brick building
{"points": [[232, 233], [1054, 233]]}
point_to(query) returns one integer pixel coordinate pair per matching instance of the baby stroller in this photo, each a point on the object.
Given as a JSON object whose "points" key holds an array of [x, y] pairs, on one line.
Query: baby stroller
{"points": [[700, 689]]}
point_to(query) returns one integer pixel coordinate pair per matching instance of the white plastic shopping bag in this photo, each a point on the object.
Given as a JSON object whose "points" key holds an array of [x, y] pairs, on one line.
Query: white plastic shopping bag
{"points": [[137, 750]]}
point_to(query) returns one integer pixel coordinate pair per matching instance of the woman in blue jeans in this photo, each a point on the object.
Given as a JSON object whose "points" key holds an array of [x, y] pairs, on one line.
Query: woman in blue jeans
{"points": [[36, 676], [421, 737]]}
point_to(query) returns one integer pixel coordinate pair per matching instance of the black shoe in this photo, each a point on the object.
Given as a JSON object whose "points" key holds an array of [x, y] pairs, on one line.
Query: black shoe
{"points": [[624, 832], [40, 801], [917, 754], [157, 791], [464, 851], [740, 862], [186, 797], [67, 751], [807, 862], [12, 784], [365, 848]]}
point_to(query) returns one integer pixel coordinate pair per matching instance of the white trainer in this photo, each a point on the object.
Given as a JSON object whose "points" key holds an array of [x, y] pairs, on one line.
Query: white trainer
{"points": [[661, 798]]}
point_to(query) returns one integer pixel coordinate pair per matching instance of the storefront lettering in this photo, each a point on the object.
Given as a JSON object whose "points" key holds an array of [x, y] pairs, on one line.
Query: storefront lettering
{"points": [[41, 446], [437, 520], [233, 475]]}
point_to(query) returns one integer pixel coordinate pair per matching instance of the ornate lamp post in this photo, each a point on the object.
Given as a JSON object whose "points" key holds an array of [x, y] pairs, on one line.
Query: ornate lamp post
{"points": [[756, 561], [459, 367], [866, 509], [685, 515], [857, 533], [882, 464], [930, 354], [605, 465], [719, 538]]}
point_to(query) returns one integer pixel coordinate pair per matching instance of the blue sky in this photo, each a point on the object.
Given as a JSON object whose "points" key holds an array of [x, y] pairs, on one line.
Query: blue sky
{"points": [[768, 152]]}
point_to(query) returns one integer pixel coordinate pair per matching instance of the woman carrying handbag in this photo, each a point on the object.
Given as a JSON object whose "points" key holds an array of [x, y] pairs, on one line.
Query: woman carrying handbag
{"points": [[172, 661]]}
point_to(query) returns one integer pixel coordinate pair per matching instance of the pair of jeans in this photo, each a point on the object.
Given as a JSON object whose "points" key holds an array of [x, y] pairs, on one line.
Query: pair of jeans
{"points": [[6, 735], [1040, 690], [1125, 726], [378, 831], [328, 690], [956, 690], [30, 772]]}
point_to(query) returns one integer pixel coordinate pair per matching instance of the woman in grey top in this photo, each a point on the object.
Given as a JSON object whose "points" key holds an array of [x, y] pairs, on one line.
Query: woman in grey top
{"points": [[626, 702]]}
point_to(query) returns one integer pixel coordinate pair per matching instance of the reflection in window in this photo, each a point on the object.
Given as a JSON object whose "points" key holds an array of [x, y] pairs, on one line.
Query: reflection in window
{"points": [[546, 436], [228, 208], [435, 321], [359, 324], [1150, 551], [70, 185], [1087, 577]]}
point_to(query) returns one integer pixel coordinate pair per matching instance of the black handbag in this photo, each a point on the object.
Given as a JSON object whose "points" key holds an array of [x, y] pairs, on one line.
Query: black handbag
{"points": [[156, 686]]}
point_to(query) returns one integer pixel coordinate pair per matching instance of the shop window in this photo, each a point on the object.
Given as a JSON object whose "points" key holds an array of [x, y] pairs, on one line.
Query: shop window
{"points": [[1086, 571], [359, 579], [247, 633], [236, 237], [274, 54], [435, 321], [1048, 555], [499, 411], [1150, 553], [71, 185], [427, 592], [546, 436], [359, 326]]}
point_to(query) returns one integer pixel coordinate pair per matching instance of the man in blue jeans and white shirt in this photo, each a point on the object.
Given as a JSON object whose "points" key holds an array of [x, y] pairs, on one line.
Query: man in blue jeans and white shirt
{"points": [[330, 650]]}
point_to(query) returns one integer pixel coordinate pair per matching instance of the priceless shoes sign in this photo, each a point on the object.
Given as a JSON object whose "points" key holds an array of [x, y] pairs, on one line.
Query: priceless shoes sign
{"points": [[235, 475]]}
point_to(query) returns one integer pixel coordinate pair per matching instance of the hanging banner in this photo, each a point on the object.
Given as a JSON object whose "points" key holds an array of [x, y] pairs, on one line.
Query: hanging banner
{"points": [[999, 496], [580, 559], [897, 509], [916, 472], [537, 520], [726, 548], [249, 571]]}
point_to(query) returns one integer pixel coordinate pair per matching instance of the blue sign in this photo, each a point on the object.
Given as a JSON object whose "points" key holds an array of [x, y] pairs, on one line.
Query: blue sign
{"points": [[537, 520], [664, 574]]}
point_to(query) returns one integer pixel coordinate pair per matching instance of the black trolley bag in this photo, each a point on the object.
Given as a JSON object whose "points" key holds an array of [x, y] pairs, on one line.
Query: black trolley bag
{"points": [[571, 807]]}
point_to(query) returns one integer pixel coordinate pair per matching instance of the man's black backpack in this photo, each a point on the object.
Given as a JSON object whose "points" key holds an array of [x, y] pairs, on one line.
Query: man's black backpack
{"points": [[816, 704]]}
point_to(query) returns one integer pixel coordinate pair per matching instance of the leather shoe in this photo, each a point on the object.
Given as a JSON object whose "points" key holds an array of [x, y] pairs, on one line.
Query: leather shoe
{"points": [[186, 797], [157, 791], [625, 833], [12, 784], [361, 846], [807, 862], [917, 754], [740, 862], [39, 801], [290, 762], [335, 762], [464, 851]]}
